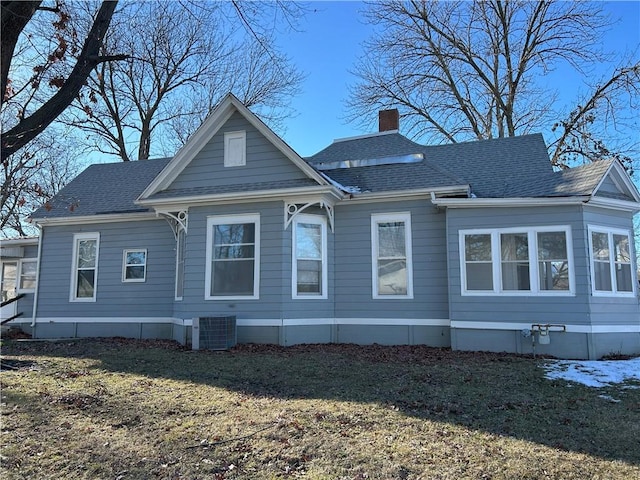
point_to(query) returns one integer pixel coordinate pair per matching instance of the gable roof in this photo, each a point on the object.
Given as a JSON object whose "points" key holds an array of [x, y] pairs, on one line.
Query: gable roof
{"points": [[103, 189], [207, 130]]}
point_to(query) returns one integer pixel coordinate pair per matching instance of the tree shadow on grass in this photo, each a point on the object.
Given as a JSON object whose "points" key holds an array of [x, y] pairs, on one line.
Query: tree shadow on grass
{"points": [[501, 394]]}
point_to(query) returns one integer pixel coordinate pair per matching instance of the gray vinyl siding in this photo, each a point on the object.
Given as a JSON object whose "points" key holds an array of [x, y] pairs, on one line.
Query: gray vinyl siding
{"points": [[610, 310], [264, 162], [269, 303], [152, 298], [353, 263], [526, 309]]}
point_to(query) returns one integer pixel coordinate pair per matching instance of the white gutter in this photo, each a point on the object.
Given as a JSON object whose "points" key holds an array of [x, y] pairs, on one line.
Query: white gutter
{"points": [[403, 194], [36, 290], [626, 205], [104, 218], [508, 202]]}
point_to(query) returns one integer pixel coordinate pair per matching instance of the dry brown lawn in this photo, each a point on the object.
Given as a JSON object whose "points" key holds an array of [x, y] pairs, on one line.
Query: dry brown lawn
{"points": [[124, 409]]}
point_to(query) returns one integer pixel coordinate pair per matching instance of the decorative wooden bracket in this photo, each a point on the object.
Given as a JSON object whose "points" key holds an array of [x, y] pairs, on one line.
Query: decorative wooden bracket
{"points": [[291, 210]]}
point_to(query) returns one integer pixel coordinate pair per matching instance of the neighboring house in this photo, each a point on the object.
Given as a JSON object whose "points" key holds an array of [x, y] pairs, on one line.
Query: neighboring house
{"points": [[375, 239]]}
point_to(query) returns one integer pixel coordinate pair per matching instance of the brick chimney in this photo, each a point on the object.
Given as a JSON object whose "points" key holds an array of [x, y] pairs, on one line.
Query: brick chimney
{"points": [[388, 120]]}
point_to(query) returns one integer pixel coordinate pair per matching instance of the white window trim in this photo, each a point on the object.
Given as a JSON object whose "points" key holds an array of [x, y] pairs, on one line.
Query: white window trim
{"points": [[124, 265], [74, 268], [614, 291], [496, 262], [315, 220], [19, 273], [231, 219], [377, 218], [229, 137]]}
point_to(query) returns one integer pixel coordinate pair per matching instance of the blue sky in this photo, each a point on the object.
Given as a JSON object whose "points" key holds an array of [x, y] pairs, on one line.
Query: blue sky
{"points": [[329, 44]]}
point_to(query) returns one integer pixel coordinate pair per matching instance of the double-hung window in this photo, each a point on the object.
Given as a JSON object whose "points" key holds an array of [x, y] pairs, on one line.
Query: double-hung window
{"points": [[233, 257], [27, 281], [391, 255], [84, 272], [309, 272], [516, 261], [611, 272], [134, 265]]}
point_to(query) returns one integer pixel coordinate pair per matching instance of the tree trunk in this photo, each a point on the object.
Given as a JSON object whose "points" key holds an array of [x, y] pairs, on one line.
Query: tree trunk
{"points": [[89, 58]]}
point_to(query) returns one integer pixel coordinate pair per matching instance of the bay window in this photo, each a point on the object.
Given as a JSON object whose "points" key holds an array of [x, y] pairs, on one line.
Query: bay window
{"points": [[611, 272], [516, 261]]}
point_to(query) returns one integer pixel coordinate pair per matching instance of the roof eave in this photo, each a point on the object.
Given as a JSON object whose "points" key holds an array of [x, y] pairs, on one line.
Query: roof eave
{"points": [[508, 202], [243, 197], [98, 218], [415, 192], [614, 203]]}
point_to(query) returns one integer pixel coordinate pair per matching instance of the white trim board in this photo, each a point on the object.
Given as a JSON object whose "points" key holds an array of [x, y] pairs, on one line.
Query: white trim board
{"points": [[628, 328], [100, 320]]}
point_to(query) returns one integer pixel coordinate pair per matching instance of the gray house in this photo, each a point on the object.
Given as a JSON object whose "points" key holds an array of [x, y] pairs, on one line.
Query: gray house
{"points": [[375, 239]]}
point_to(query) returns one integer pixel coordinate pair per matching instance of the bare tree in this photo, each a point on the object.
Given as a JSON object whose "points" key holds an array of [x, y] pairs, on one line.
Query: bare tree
{"points": [[31, 176], [471, 70], [183, 58], [31, 122]]}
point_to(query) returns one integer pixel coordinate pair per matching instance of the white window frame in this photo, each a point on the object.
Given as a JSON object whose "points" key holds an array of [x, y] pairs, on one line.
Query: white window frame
{"points": [[496, 261], [377, 218], [125, 265], [232, 219], [74, 268], [314, 220], [19, 288], [230, 138], [610, 232]]}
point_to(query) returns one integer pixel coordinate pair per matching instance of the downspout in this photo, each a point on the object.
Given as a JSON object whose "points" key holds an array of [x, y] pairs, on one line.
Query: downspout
{"points": [[36, 291]]}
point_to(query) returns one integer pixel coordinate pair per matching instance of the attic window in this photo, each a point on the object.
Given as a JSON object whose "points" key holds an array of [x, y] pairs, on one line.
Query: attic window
{"points": [[235, 149]]}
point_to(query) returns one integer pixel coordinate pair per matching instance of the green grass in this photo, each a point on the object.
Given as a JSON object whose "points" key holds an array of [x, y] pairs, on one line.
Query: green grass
{"points": [[120, 409]]}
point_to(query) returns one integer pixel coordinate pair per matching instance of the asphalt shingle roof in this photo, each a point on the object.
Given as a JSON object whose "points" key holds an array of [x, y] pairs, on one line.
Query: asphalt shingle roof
{"points": [[498, 168], [104, 188], [490, 167]]}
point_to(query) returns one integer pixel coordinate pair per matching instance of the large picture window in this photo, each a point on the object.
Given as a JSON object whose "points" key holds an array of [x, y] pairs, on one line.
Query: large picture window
{"points": [[611, 272], [85, 267], [516, 261], [391, 255], [309, 272], [233, 257]]}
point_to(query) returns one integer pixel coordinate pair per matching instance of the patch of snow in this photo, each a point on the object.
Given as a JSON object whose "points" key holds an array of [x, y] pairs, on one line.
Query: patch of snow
{"points": [[344, 188], [594, 373], [609, 398]]}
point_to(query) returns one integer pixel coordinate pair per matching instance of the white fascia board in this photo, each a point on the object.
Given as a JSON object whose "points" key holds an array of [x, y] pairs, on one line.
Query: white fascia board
{"points": [[406, 194], [329, 194], [86, 219], [18, 242], [615, 204], [207, 130], [509, 202], [621, 176]]}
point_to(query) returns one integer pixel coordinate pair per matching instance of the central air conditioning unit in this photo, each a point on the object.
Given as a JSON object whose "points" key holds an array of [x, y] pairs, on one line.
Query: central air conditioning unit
{"points": [[214, 333]]}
